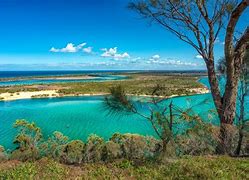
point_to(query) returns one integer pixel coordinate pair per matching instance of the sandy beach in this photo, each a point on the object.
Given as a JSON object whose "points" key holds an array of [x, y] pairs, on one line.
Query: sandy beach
{"points": [[193, 91], [54, 93], [28, 95]]}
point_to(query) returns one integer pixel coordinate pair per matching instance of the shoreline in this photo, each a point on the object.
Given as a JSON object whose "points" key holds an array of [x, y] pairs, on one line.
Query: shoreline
{"points": [[82, 77], [54, 94]]}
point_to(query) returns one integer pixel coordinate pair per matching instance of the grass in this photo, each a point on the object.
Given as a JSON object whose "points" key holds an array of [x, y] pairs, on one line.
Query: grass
{"points": [[185, 168], [137, 84]]}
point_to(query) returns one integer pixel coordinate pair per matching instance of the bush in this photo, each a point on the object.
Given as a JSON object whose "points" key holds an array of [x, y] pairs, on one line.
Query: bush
{"points": [[73, 152], [27, 140], [136, 147], [94, 149], [111, 151], [3, 154], [199, 140], [29, 154], [53, 146]]}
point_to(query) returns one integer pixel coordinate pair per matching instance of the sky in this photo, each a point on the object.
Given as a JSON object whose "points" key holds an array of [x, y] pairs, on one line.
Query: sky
{"points": [[88, 35]]}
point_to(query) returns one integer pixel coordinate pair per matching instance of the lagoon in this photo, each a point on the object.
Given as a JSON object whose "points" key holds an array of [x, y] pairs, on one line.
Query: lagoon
{"points": [[78, 117]]}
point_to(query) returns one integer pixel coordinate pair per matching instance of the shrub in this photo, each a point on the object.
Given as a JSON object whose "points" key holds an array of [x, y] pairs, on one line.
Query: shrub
{"points": [[94, 149], [29, 154], [53, 146], [136, 147], [3, 154], [154, 147], [27, 140], [72, 152], [111, 151], [199, 140]]}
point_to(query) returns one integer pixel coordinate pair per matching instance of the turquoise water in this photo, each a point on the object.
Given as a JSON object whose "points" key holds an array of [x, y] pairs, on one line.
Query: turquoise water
{"points": [[78, 117], [18, 74], [32, 81]]}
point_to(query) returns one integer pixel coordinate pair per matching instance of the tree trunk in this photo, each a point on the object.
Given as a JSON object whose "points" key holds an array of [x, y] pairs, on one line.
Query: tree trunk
{"points": [[241, 135], [224, 116], [214, 86], [225, 139], [227, 114], [229, 100], [168, 149], [242, 110], [233, 56]]}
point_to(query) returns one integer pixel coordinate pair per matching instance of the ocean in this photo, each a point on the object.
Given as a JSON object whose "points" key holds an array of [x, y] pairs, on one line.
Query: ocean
{"points": [[17, 74]]}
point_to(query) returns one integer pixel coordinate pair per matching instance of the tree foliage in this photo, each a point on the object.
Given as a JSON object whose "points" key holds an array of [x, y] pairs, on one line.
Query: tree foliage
{"points": [[199, 23], [164, 116], [27, 140]]}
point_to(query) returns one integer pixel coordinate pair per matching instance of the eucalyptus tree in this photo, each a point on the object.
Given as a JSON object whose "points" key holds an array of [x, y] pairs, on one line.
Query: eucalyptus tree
{"points": [[243, 91], [199, 24], [243, 119]]}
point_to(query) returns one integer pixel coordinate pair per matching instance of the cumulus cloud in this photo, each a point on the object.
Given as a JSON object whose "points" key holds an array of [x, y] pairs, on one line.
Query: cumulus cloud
{"points": [[198, 56], [88, 50], [155, 58], [70, 48], [113, 53]]}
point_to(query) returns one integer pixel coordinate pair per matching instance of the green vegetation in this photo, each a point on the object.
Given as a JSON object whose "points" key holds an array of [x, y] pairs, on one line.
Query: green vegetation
{"points": [[137, 84], [32, 146], [125, 156], [185, 168], [199, 139]]}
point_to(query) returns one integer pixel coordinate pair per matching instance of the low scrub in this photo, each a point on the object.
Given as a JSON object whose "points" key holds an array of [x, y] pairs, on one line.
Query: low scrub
{"points": [[31, 146], [189, 167]]}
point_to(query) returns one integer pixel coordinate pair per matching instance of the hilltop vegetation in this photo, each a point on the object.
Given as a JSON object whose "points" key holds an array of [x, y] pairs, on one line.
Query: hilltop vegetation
{"points": [[184, 168], [122, 156]]}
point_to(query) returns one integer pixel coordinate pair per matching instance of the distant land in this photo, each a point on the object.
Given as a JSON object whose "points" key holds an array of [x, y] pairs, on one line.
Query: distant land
{"points": [[16, 74]]}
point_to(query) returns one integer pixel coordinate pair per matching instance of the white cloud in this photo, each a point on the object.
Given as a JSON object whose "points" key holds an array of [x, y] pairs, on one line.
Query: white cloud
{"points": [[88, 50], [54, 50], [70, 48], [113, 53], [135, 60], [156, 56], [155, 60], [198, 56]]}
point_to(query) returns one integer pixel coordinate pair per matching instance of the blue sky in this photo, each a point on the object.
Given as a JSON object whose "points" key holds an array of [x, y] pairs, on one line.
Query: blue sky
{"points": [[85, 35]]}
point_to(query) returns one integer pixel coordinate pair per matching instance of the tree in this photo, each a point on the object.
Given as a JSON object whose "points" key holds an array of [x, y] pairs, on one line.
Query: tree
{"points": [[243, 122], [165, 117], [199, 23], [242, 92]]}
